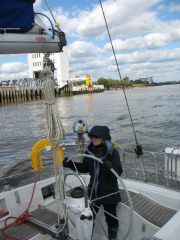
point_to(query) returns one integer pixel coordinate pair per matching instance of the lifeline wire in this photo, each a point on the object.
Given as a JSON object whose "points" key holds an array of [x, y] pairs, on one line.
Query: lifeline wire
{"points": [[119, 72]]}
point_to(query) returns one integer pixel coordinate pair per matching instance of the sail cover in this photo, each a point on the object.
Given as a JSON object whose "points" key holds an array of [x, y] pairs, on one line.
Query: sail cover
{"points": [[17, 14]]}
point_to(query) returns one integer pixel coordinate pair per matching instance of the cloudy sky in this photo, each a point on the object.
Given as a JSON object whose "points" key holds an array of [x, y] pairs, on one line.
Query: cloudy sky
{"points": [[145, 36]]}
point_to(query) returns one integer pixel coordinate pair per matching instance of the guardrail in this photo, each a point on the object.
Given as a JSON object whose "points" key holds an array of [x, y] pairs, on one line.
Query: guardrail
{"points": [[169, 172], [146, 168]]}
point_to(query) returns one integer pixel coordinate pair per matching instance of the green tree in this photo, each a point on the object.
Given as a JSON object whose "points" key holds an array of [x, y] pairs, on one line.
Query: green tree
{"points": [[117, 82], [138, 81], [102, 81], [110, 81], [95, 83]]}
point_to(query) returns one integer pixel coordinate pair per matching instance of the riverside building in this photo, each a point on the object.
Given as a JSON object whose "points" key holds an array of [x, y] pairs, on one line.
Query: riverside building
{"points": [[147, 79], [61, 64]]}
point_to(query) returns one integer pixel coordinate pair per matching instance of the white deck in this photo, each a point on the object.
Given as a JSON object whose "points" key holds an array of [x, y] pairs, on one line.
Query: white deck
{"points": [[141, 226]]}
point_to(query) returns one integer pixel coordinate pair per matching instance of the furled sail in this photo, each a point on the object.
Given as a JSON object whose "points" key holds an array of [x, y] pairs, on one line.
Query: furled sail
{"points": [[23, 31]]}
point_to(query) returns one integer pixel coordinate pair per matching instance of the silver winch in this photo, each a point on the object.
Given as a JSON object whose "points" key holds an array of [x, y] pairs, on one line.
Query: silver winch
{"points": [[80, 127]]}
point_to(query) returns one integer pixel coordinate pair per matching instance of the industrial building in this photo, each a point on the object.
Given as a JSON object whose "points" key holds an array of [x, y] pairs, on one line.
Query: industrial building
{"points": [[61, 63]]}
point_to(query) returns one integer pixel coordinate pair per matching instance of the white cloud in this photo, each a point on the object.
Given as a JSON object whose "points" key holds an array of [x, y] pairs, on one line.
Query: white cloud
{"points": [[154, 56], [2, 55], [15, 67], [174, 7], [151, 41], [84, 51], [161, 65], [37, 6], [124, 18], [13, 76], [85, 58], [139, 34], [166, 71]]}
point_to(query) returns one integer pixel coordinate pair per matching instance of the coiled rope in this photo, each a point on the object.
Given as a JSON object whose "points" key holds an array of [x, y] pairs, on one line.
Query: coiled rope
{"points": [[55, 133], [55, 130]]}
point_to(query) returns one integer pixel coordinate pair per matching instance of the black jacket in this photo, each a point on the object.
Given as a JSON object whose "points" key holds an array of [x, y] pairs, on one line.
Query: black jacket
{"points": [[107, 182]]}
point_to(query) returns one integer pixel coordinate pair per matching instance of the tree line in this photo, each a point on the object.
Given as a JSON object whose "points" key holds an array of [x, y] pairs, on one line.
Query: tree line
{"points": [[110, 82]]}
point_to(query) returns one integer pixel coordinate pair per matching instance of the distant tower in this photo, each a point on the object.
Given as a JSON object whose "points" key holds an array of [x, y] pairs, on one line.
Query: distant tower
{"points": [[61, 63], [127, 79]]}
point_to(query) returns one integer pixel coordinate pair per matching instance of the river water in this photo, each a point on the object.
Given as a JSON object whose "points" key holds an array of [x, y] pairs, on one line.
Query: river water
{"points": [[155, 113]]}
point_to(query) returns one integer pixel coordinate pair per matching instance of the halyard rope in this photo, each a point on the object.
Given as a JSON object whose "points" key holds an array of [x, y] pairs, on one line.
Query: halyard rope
{"points": [[55, 133]]}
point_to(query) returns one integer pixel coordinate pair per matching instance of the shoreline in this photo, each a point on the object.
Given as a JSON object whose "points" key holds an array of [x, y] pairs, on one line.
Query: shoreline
{"points": [[119, 87], [130, 86]]}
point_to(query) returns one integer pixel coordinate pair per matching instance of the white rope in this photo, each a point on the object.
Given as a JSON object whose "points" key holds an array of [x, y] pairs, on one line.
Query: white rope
{"points": [[54, 126], [55, 133]]}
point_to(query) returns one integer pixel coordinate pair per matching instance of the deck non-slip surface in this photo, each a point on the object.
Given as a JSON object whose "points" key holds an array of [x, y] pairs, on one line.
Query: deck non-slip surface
{"points": [[25, 232], [149, 209]]}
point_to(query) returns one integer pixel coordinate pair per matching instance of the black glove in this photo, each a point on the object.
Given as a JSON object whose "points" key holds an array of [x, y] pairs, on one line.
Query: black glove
{"points": [[65, 163], [107, 166]]}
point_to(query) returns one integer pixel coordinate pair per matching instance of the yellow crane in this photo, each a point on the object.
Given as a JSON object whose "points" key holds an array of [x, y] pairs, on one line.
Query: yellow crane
{"points": [[88, 81]]}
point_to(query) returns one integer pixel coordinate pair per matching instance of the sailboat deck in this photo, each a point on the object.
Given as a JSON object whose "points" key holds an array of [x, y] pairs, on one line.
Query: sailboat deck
{"points": [[25, 232], [144, 206], [147, 208]]}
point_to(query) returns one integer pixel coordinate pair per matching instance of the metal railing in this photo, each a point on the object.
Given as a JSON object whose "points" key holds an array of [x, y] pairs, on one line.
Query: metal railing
{"points": [[169, 172], [141, 159], [170, 169]]}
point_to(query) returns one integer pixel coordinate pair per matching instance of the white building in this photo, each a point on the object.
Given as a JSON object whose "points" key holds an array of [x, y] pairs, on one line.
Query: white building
{"points": [[147, 79], [61, 63]]}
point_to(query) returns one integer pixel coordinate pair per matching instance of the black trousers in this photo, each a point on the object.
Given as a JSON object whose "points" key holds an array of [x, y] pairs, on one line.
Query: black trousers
{"points": [[110, 208]]}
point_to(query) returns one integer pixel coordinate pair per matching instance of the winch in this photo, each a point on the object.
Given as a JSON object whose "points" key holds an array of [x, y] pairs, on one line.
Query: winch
{"points": [[80, 127]]}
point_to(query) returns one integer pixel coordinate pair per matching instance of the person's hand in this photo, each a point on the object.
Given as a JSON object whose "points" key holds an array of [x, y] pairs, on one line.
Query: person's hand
{"points": [[107, 166], [65, 163]]}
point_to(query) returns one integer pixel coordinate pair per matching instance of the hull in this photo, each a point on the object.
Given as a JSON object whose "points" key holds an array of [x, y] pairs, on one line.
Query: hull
{"points": [[87, 91], [84, 89]]}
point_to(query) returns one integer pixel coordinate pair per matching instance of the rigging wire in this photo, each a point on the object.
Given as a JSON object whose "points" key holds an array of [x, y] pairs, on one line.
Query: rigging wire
{"points": [[62, 40], [119, 74], [56, 24]]}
